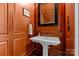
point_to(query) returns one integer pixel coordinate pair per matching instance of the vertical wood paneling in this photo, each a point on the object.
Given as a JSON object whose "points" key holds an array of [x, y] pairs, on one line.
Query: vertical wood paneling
{"points": [[10, 9], [70, 40], [19, 26], [14, 29], [3, 48], [56, 31], [20, 29], [19, 46], [3, 18], [3, 30]]}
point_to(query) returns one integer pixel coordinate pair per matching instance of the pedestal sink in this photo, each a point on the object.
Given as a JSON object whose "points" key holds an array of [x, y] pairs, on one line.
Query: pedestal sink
{"points": [[45, 42]]}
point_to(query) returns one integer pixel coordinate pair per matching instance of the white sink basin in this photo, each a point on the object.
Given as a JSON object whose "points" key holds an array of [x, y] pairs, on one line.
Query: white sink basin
{"points": [[46, 41]]}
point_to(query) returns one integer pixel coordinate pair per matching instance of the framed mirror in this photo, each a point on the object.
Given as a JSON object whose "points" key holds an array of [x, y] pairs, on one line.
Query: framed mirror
{"points": [[47, 14]]}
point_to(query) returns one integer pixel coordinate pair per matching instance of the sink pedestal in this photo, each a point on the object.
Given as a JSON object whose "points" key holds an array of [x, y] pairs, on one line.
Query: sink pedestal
{"points": [[45, 50]]}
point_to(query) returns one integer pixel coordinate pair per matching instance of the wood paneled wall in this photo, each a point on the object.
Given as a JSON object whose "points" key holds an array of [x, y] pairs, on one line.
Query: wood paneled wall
{"points": [[20, 29], [3, 30], [14, 39], [14, 30], [65, 14], [46, 29], [70, 37], [54, 31]]}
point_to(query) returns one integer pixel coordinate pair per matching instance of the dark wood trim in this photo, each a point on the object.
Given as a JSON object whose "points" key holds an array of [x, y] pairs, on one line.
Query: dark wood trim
{"points": [[64, 28], [35, 18]]}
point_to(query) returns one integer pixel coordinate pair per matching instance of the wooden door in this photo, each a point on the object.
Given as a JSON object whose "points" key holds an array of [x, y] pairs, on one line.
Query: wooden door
{"points": [[69, 22], [20, 30], [14, 30], [3, 30]]}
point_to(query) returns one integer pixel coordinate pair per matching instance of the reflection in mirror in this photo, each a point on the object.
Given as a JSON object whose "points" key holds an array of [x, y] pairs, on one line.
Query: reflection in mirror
{"points": [[47, 13]]}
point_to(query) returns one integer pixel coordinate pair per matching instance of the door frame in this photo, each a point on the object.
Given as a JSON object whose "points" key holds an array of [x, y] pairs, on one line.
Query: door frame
{"points": [[76, 29]]}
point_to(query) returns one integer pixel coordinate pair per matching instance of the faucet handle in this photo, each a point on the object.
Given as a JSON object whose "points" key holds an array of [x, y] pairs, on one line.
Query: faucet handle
{"points": [[49, 35], [43, 35], [39, 34], [46, 35]]}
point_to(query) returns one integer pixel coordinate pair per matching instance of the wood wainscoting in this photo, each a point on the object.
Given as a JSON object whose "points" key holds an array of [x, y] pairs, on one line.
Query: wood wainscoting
{"points": [[14, 39]]}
